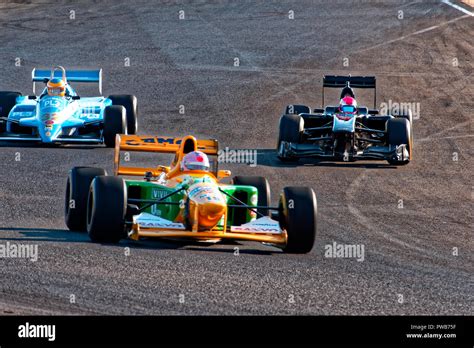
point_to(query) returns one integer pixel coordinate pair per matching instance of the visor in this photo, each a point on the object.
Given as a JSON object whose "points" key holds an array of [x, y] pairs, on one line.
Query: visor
{"points": [[196, 167], [55, 91], [348, 109]]}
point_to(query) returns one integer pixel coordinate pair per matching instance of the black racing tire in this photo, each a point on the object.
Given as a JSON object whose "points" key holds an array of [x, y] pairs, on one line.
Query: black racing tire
{"points": [[7, 102], [298, 217], [77, 191], [106, 209], [399, 132], [295, 109], [115, 122], [129, 102], [263, 188], [290, 130]]}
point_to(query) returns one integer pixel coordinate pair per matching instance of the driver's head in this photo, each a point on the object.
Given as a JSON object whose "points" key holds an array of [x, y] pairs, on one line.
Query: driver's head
{"points": [[195, 160], [56, 87], [348, 105]]}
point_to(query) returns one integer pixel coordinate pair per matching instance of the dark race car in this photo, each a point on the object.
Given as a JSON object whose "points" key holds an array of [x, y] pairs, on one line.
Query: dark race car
{"points": [[345, 132]]}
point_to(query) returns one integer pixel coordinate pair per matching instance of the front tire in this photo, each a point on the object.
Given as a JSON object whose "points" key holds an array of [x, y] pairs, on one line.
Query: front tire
{"points": [[290, 131], [398, 133], [298, 217], [106, 209], [129, 102], [409, 117], [77, 190], [115, 122]]}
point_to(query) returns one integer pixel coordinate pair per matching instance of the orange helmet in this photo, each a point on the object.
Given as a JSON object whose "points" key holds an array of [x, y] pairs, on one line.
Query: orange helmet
{"points": [[56, 87]]}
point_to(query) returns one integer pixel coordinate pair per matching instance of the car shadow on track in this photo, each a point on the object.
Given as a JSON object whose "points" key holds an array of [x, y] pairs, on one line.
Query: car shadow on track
{"points": [[232, 251], [269, 158], [62, 235], [45, 235], [192, 245]]}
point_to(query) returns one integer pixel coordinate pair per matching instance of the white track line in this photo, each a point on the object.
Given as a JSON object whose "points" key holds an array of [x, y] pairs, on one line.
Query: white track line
{"points": [[352, 203], [442, 138], [437, 134], [411, 34], [457, 7]]}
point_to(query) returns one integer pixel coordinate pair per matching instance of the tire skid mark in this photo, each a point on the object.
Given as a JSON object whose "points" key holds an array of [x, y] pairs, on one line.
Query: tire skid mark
{"points": [[372, 227]]}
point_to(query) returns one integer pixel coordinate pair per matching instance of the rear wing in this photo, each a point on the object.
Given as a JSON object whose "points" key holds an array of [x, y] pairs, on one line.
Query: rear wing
{"points": [[337, 81], [81, 76], [143, 143]]}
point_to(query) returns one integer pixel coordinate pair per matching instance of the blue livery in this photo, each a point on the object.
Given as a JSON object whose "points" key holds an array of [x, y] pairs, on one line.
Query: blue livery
{"points": [[67, 117]]}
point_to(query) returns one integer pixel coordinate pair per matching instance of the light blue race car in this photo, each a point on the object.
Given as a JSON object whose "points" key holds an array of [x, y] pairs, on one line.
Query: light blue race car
{"points": [[60, 116]]}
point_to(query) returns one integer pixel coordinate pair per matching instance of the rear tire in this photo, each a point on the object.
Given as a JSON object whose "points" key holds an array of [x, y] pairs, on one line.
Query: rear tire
{"points": [[115, 122], [77, 190], [264, 194], [129, 102], [298, 217], [106, 209], [7, 102], [290, 130], [398, 133]]}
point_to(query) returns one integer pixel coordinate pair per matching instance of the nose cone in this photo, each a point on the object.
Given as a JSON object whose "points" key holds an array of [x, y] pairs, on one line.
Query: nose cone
{"points": [[47, 134], [210, 213]]}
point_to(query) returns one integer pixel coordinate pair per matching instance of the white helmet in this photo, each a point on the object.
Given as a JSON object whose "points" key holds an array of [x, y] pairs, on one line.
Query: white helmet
{"points": [[195, 160]]}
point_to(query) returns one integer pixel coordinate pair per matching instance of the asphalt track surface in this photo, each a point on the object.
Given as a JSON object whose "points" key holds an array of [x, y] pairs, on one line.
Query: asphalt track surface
{"points": [[409, 266]]}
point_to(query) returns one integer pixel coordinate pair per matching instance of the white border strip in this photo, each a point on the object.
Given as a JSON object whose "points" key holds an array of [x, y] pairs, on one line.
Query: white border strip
{"points": [[457, 7]]}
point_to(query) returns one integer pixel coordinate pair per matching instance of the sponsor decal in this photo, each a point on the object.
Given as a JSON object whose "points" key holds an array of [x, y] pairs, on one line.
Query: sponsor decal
{"points": [[151, 221], [262, 225], [153, 140], [158, 194], [202, 192]]}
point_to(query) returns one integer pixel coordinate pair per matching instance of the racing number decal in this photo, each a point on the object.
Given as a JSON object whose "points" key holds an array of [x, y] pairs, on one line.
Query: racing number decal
{"points": [[154, 140]]}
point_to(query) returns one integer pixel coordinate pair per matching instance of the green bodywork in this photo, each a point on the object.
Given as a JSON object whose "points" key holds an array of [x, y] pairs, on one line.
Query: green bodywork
{"points": [[149, 190]]}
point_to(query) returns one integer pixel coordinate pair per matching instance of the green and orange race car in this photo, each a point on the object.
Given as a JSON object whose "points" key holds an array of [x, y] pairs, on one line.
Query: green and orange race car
{"points": [[185, 200]]}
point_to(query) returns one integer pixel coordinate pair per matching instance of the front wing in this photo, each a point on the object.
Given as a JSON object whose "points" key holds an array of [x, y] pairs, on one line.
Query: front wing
{"points": [[263, 230], [61, 140], [294, 150]]}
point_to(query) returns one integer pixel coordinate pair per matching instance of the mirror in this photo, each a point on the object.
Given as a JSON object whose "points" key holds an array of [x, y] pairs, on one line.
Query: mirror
{"points": [[164, 169], [221, 174]]}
